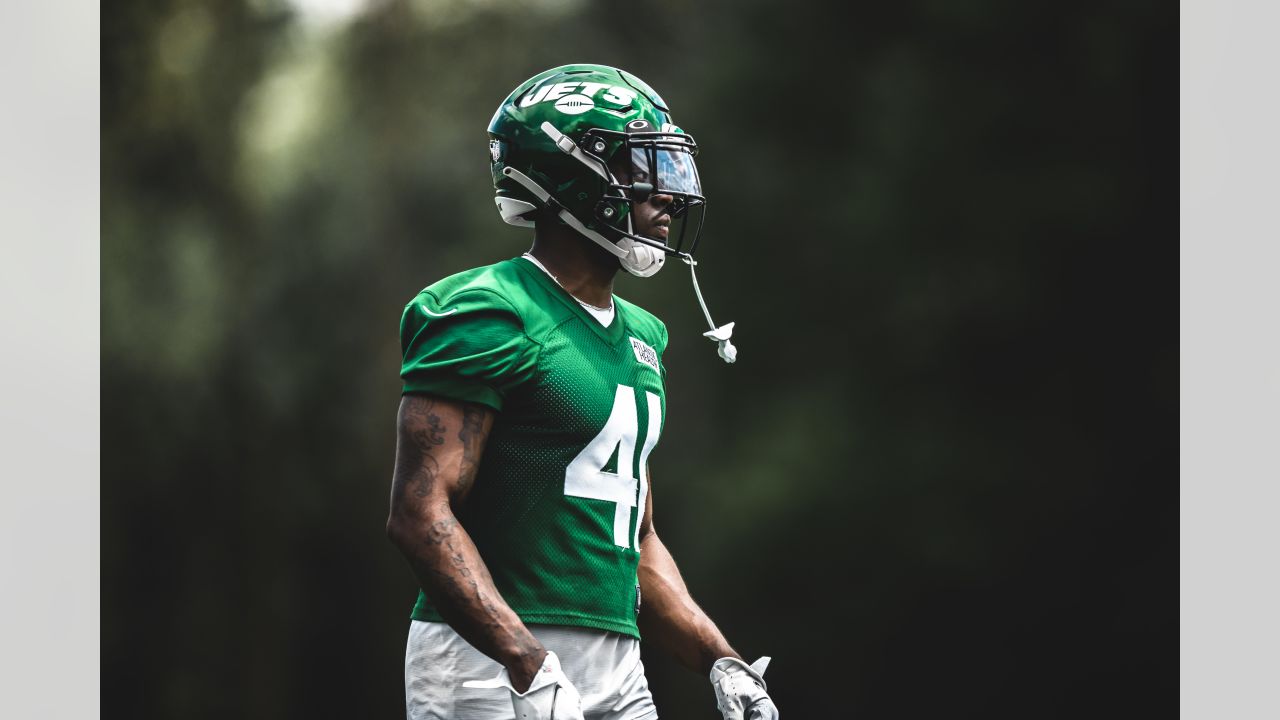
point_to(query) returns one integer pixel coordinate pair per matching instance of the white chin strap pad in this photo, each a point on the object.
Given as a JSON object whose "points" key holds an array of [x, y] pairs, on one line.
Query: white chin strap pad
{"points": [[636, 258], [641, 260]]}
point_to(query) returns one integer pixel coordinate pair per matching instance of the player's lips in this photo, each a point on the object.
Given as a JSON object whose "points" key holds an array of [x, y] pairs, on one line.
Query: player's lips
{"points": [[656, 226]]}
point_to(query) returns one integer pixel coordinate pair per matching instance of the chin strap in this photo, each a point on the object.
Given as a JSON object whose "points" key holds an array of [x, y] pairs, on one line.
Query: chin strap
{"points": [[545, 198], [719, 335]]}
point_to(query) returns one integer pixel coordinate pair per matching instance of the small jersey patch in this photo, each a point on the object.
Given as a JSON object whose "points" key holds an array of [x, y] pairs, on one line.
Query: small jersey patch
{"points": [[645, 354]]}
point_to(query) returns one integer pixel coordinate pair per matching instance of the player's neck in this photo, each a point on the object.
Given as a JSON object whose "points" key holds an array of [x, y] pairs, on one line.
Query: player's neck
{"points": [[582, 268]]}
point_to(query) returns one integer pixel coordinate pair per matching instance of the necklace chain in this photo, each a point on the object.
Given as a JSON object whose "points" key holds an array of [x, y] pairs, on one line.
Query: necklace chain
{"points": [[581, 302]]}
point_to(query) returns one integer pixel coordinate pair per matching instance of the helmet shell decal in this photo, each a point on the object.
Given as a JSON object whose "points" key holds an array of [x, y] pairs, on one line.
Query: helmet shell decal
{"points": [[574, 104], [619, 95]]}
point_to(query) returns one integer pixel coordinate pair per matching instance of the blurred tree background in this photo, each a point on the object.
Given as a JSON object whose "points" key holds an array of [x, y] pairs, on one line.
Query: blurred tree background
{"points": [[940, 479]]}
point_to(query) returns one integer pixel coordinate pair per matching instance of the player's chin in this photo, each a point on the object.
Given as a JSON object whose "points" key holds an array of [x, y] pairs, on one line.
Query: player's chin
{"points": [[657, 232]]}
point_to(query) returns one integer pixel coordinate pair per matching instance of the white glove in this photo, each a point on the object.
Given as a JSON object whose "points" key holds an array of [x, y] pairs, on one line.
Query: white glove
{"points": [[550, 696], [740, 690]]}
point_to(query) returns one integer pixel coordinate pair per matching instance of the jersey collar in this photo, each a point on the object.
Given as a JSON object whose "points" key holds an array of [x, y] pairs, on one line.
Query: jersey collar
{"points": [[611, 335]]}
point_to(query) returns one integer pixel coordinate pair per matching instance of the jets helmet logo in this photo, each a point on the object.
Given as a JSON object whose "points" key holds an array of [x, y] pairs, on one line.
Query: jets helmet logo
{"points": [[574, 104], [574, 98]]}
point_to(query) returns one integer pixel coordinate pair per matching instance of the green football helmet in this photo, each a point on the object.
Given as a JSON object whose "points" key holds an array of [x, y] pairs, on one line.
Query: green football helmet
{"points": [[552, 142]]}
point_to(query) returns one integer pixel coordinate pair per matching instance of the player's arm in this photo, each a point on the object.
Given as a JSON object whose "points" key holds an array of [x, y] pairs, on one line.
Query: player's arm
{"points": [[438, 448], [671, 618]]}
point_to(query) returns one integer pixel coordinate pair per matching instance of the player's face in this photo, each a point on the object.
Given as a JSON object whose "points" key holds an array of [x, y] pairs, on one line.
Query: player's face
{"points": [[649, 218]]}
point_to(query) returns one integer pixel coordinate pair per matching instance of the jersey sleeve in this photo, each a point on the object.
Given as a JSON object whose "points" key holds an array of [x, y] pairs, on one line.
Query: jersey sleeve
{"points": [[662, 350], [470, 347]]}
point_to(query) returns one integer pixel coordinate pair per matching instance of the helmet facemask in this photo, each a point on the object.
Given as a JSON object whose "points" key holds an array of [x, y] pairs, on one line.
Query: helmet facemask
{"points": [[646, 163]]}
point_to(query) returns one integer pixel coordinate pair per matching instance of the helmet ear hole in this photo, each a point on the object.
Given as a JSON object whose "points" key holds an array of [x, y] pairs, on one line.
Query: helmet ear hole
{"points": [[606, 211]]}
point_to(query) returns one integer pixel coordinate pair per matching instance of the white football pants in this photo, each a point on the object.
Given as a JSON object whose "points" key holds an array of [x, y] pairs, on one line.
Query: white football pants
{"points": [[604, 666]]}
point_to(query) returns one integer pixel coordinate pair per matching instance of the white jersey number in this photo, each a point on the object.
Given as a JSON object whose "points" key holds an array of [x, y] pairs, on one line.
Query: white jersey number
{"points": [[586, 478]]}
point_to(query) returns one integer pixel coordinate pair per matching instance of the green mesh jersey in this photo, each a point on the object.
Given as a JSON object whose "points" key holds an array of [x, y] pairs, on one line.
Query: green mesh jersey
{"points": [[554, 510]]}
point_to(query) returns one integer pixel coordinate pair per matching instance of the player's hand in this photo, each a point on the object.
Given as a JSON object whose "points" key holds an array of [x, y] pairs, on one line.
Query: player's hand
{"points": [[550, 696], [740, 690]]}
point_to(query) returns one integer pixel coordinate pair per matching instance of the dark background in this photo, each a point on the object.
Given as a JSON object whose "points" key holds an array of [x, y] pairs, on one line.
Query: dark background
{"points": [[940, 481]]}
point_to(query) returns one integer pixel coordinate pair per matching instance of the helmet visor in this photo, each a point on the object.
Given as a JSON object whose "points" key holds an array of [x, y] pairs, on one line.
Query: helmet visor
{"points": [[668, 169]]}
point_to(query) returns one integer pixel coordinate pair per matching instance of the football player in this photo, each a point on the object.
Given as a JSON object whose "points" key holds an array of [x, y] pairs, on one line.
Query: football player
{"points": [[533, 397]]}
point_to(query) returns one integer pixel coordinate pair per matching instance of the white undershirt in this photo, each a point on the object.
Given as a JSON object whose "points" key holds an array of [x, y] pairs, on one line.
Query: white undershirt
{"points": [[605, 317]]}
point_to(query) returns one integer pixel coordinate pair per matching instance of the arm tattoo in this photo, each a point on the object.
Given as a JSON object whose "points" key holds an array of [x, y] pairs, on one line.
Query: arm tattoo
{"points": [[440, 531], [471, 435], [422, 442], [457, 581], [422, 523]]}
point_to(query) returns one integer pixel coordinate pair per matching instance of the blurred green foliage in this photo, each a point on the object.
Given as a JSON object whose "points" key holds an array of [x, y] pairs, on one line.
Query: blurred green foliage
{"points": [[940, 478]]}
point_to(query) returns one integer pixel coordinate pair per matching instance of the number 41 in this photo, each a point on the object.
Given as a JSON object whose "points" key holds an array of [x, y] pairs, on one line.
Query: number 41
{"points": [[585, 476]]}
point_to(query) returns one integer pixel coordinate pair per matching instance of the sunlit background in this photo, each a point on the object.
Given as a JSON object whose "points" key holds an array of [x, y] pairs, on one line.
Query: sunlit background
{"points": [[939, 480]]}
